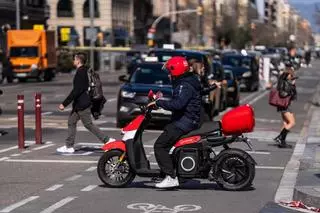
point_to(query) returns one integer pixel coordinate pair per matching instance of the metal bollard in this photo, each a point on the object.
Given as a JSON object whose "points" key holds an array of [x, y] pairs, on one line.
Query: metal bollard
{"points": [[20, 121], [38, 132]]}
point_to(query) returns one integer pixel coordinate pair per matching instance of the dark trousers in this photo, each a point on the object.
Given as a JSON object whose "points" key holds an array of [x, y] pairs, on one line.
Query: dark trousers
{"points": [[85, 117], [163, 145]]}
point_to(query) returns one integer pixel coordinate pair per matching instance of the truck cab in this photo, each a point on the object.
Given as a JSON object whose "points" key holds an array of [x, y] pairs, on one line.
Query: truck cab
{"points": [[32, 54]]}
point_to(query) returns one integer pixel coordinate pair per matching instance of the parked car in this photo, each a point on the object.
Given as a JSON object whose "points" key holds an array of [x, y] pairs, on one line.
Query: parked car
{"points": [[133, 93], [211, 102], [233, 88], [245, 69]]}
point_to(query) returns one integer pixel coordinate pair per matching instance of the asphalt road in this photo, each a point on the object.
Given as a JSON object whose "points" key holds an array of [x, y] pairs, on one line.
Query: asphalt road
{"points": [[39, 180]]}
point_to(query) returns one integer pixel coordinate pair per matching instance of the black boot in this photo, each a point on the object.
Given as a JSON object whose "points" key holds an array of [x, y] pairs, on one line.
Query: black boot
{"points": [[278, 138], [283, 137]]}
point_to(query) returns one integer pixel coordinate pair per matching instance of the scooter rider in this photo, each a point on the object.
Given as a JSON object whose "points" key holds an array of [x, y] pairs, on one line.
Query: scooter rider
{"points": [[185, 106]]}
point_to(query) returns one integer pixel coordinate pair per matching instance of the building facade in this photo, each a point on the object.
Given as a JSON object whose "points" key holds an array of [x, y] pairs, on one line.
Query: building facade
{"points": [[32, 12], [71, 20]]}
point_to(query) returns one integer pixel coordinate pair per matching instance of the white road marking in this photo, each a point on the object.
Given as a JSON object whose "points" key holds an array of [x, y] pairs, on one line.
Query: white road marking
{"points": [[51, 161], [89, 188], [245, 99], [18, 204], [46, 113], [15, 155], [27, 151], [258, 152], [58, 205], [112, 100], [54, 187], [74, 177], [267, 120], [90, 169], [76, 154], [258, 97], [8, 149], [4, 159], [270, 167], [43, 147]]}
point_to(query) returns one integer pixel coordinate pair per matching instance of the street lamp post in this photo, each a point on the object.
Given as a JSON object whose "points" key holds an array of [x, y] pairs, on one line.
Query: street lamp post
{"points": [[91, 6], [18, 14]]}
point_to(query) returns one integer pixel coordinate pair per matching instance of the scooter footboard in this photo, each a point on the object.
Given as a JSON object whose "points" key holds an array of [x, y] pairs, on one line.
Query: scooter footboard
{"points": [[120, 145]]}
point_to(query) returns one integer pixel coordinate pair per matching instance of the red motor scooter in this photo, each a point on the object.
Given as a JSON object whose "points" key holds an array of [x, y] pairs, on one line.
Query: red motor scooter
{"points": [[193, 155]]}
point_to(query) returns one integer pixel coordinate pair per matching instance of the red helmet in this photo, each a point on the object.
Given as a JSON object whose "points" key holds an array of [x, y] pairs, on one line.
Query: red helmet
{"points": [[177, 66]]}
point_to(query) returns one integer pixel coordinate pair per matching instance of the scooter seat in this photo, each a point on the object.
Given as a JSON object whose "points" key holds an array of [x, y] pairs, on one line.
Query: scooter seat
{"points": [[205, 129]]}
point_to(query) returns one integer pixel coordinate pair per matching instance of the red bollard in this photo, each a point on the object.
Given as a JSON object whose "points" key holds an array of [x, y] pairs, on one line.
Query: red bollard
{"points": [[38, 118], [21, 121]]}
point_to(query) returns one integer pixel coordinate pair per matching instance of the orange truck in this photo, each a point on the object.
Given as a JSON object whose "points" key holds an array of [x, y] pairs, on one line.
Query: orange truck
{"points": [[32, 54]]}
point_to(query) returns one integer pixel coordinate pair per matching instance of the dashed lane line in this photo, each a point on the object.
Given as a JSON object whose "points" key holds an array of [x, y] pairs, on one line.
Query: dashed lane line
{"points": [[15, 155], [90, 169], [43, 147], [89, 188], [54, 187], [58, 205], [18, 204], [51, 161], [8, 149], [4, 159], [74, 177]]}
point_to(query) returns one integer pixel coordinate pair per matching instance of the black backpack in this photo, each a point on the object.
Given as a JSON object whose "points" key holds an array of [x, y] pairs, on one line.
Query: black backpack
{"points": [[95, 93]]}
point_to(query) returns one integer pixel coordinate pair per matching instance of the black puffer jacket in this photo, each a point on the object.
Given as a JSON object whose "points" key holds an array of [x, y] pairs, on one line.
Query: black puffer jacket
{"points": [[286, 87], [185, 104]]}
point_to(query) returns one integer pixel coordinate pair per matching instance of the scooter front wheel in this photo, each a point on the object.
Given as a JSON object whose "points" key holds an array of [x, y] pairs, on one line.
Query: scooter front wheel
{"points": [[112, 171]]}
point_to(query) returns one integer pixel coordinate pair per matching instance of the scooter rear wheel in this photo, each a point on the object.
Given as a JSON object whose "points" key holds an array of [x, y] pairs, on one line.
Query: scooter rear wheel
{"points": [[234, 170], [112, 172]]}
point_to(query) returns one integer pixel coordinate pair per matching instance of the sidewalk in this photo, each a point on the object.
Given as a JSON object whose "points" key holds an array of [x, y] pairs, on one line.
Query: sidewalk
{"points": [[307, 188]]}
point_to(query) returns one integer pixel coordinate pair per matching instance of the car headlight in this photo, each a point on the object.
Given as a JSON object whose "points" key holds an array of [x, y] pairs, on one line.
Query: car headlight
{"points": [[127, 94], [34, 66], [247, 74]]}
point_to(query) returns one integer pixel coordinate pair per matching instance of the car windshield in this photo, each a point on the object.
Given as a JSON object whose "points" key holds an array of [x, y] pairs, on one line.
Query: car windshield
{"points": [[237, 61], [23, 51], [232, 61], [148, 75]]}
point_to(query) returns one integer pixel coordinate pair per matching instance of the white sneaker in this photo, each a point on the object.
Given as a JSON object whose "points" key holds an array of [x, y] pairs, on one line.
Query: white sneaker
{"points": [[168, 182], [110, 140], [65, 149]]}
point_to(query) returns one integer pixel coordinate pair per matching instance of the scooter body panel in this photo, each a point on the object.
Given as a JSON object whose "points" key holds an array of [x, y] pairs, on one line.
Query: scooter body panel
{"points": [[115, 145]]}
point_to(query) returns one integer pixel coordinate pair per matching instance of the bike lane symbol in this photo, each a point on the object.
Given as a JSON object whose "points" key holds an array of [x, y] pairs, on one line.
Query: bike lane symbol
{"points": [[152, 208]]}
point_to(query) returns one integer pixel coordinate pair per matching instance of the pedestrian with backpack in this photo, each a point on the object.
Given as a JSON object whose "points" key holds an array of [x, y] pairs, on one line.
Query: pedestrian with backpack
{"points": [[81, 106]]}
